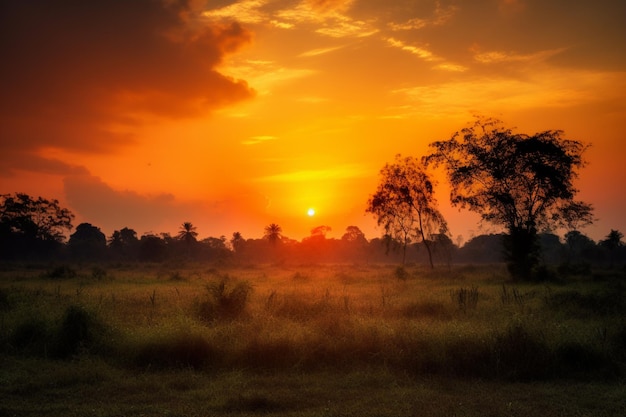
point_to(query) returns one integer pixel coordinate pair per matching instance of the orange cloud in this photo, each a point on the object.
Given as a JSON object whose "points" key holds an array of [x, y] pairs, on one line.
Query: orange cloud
{"points": [[79, 76]]}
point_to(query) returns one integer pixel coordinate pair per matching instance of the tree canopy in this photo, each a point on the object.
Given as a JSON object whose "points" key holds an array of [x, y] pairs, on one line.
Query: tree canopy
{"points": [[31, 226], [405, 205], [522, 182]]}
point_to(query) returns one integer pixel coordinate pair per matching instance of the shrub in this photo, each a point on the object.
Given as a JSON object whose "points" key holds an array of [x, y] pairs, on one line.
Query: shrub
{"points": [[61, 272], [465, 298], [225, 300], [98, 273], [79, 330], [401, 273]]}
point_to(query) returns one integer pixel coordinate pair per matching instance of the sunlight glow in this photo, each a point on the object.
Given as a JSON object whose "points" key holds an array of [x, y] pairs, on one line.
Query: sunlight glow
{"points": [[311, 212]]}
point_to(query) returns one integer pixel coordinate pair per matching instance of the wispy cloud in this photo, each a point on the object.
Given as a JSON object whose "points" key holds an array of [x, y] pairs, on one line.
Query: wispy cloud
{"points": [[255, 140], [548, 89], [440, 16], [245, 11], [320, 51], [496, 57], [426, 55], [264, 75]]}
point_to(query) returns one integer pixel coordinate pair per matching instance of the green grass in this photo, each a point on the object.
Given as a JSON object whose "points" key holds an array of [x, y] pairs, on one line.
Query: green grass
{"points": [[310, 340]]}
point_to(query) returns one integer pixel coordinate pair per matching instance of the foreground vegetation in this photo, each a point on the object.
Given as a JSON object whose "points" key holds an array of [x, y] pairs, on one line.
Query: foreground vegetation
{"points": [[179, 339]]}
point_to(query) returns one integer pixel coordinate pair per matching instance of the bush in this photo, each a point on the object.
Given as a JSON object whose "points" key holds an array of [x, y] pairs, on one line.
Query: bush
{"points": [[79, 330], [61, 272], [225, 300], [465, 298]]}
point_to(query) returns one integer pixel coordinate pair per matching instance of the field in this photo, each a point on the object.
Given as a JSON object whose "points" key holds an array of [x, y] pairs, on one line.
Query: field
{"points": [[362, 340]]}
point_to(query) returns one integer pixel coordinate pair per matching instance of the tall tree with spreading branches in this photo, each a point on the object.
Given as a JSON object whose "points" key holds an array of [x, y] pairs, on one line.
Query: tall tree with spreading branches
{"points": [[405, 205], [522, 182]]}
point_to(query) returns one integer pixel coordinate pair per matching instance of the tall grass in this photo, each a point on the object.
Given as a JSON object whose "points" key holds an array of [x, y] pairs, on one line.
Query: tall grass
{"points": [[462, 323]]}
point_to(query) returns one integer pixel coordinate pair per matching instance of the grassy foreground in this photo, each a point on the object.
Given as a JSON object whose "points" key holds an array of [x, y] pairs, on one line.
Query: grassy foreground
{"points": [[176, 340]]}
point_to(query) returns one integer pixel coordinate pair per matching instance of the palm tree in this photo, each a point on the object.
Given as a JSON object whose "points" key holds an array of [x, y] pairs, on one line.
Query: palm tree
{"points": [[187, 233], [236, 241], [273, 233]]}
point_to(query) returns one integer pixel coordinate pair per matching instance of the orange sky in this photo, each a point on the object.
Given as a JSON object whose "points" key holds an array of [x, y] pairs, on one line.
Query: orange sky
{"points": [[236, 114]]}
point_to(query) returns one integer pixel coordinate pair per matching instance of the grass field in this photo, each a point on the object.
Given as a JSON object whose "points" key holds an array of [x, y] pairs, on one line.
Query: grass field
{"points": [[375, 340]]}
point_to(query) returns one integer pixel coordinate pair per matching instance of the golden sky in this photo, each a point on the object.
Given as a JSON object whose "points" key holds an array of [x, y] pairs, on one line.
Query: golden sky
{"points": [[236, 114]]}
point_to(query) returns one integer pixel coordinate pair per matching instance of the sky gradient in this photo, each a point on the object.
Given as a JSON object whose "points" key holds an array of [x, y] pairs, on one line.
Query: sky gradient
{"points": [[236, 114]]}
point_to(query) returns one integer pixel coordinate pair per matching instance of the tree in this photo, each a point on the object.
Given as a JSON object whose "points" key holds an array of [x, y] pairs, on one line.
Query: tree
{"points": [[237, 242], [354, 235], [522, 182], [124, 243], [404, 204], [31, 226], [273, 233], [612, 243], [87, 242], [187, 233]]}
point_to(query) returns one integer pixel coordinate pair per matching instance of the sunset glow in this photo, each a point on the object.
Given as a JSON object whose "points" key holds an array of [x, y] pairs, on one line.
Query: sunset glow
{"points": [[235, 114]]}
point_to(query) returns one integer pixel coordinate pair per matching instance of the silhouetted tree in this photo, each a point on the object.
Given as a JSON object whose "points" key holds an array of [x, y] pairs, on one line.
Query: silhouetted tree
{"points": [[87, 242], [404, 204], [31, 226], [215, 248], [187, 233], [354, 243], [237, 242], [522, 182], [152, 248], [354, 234], [580, 248], [124, 243], [273, 233], [612, 243]]}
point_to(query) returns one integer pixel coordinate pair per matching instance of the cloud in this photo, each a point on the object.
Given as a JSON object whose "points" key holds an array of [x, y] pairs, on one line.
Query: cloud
{"points": [[246, 11], [440, 16], [255, 140], [496, 57], [426, 55], [94, 201], [319, 51], [548, 89], [79, 76]]}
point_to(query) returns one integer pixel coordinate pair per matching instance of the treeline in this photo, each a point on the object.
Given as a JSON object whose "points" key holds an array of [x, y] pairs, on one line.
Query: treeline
{"points": [[33, 229]]}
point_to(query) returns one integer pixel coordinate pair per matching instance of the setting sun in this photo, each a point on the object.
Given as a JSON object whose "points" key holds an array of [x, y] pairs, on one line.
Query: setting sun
{"points": [[311, 212]]}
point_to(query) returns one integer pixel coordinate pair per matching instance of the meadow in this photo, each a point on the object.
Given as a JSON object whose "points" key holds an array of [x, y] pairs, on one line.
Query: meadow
{"points": [[308, 340]]}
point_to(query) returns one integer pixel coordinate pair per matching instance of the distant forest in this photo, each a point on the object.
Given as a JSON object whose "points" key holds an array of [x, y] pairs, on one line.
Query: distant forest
{"points": [[35, 229]]}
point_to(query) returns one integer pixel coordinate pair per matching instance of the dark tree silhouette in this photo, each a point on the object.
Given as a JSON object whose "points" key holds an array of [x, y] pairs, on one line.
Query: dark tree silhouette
{"points": [[273, 233], [404, 204], [354, 235], [522, 182], [124, 243], [612, 243], [237, 242], [31, 226], [87, 242], [187, 233]]}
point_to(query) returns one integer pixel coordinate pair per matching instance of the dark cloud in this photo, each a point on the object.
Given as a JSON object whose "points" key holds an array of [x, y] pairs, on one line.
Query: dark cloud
{"points": [[96, 202], [76, 73]]}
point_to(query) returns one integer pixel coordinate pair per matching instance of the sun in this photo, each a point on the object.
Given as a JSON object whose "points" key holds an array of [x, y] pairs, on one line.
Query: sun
{"points": [[311, 212]]}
